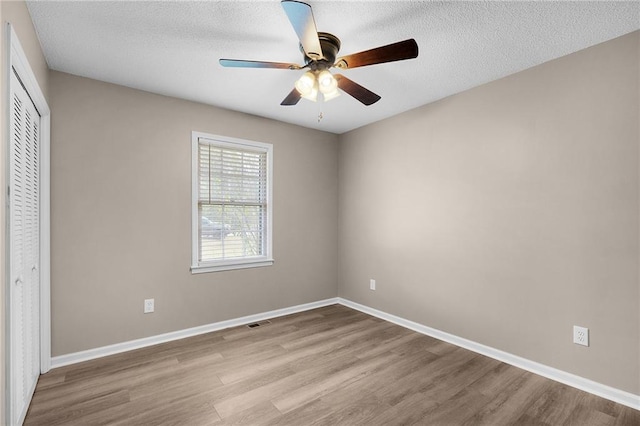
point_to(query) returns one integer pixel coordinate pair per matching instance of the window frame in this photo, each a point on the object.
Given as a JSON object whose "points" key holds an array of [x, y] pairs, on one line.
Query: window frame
{"points": [[266, 259]]}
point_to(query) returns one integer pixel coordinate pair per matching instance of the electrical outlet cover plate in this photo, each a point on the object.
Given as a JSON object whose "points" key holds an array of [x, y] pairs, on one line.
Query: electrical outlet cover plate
{"points": [[580, 335], [149, 306], [372, 284]]}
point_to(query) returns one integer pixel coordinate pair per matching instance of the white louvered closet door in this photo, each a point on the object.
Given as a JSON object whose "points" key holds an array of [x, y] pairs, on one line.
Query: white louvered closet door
{"points": [[24, 293]]}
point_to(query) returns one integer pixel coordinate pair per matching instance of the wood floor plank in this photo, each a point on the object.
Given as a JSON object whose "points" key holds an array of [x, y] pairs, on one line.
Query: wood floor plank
{"points": [[196, 409], [62, 415], [583, 415], [556, 404], [427, 375], [457, 409], [330, 383], [327, 335], [408, 411], [230, 406], [259, 414], [77, 391], [510, 393], [361, 410], [179, 380], [628, 417], [299, 355], [314, 412], [327, 366]]}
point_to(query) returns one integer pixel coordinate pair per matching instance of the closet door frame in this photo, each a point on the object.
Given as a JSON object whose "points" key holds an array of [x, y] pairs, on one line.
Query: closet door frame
{"points": [[17, 62]]}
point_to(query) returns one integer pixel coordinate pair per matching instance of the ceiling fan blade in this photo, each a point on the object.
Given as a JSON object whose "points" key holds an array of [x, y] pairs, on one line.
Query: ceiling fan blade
{"points": [[399, 51], [362, 94], [291, 99], [239, 63], [301, 17]]}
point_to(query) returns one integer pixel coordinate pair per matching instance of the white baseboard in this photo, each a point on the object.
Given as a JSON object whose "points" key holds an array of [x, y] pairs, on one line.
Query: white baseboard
{"points": [[73, 358], [604, 391]]}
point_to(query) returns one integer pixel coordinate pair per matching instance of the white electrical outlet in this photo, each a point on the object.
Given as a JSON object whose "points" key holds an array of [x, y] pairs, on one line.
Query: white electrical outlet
{"points": [[580, 335], [149, 306], [372, 284]]}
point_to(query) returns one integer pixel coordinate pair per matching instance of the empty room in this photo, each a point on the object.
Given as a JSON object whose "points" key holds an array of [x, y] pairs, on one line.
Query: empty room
{"points": [[290, 212]]}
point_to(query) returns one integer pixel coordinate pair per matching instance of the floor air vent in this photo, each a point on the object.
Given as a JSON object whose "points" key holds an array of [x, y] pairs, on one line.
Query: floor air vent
{"points": [[258, 324]]}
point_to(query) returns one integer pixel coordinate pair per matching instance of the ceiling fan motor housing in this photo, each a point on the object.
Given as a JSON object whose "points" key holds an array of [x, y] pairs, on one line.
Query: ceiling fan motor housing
{"points": [[330, 46]]}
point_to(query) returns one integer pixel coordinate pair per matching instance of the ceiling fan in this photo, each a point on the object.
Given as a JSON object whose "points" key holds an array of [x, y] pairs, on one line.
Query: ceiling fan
{"points": [[320, 50]]}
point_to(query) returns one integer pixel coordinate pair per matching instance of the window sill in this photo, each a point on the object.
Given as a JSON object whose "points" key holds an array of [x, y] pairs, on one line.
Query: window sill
{"points": [[201, 269]]}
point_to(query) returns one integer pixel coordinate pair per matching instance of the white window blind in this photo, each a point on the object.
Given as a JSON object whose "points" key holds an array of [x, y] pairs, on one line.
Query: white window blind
{"points": [[232, 207]]}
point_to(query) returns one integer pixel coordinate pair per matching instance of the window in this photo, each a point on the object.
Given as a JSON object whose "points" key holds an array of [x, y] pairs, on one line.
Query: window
{"points": [[231, 210]]}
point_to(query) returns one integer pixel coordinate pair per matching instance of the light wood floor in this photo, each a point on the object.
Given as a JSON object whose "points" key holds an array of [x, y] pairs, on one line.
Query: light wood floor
{"points": [[328, 366]]}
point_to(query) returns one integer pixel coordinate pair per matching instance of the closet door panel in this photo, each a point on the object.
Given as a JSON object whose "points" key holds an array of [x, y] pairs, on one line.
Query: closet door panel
{"points": [[17, 228], [24, 224]]}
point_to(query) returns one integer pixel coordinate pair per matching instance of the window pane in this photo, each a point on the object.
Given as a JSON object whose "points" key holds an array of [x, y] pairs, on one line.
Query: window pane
{"points": [[231, 231]]}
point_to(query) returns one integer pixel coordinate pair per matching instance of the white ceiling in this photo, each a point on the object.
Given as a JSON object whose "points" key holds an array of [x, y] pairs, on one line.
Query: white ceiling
{"points": [[172, 48]]}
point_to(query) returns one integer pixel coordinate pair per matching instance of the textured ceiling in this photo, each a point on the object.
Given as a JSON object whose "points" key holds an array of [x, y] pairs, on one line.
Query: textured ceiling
{"points": [[172, 48]]}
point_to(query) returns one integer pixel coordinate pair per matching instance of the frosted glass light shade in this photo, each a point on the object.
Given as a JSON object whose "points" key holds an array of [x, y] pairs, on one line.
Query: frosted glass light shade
{"points": [[307, 86], [327, 82], [331, 95]]}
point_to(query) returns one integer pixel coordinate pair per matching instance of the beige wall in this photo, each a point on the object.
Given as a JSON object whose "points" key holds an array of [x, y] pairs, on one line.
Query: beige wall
{"points": [[508, 213], [16, 13], [121, 218]]}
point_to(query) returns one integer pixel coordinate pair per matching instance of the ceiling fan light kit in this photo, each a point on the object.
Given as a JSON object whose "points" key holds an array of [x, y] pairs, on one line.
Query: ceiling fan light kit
{"points": [[307, 86], [320, 51], [313, 81]]}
